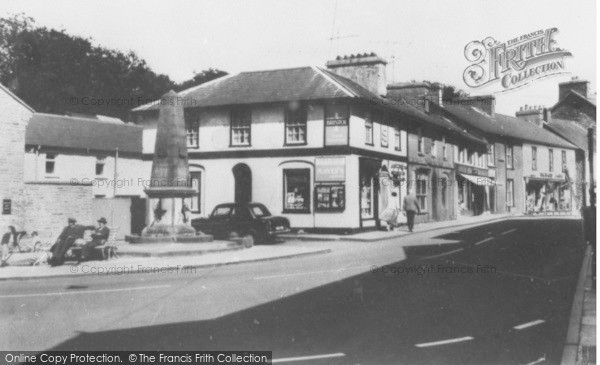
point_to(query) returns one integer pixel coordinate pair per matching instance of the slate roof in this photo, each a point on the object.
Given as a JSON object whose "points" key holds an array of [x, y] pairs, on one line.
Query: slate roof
{"points": [[571, 131], [506, 126], [576, 97], [51, 130]]}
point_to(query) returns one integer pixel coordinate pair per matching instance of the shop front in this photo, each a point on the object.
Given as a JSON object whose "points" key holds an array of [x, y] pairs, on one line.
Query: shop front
{"points": [[547, 192], [476, 191]]}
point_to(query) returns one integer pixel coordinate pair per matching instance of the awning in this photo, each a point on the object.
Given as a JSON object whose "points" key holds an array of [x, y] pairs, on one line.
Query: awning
{"points": [[479, 180]]}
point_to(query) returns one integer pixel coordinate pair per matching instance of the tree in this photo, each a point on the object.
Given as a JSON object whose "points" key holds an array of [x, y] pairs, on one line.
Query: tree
{"points": [[201, 78]]}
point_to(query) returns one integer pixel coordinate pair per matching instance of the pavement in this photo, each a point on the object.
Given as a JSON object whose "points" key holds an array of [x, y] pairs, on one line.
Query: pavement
{"points": [[580, 346], [493, 293]]}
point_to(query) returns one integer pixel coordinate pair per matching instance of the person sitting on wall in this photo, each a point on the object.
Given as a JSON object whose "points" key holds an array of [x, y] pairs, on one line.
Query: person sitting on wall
{"points": [[66, 240], [10, 235], [99, 237]]}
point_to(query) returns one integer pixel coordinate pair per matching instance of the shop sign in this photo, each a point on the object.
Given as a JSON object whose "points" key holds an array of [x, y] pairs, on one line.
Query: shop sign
{"points": [[6, 206], [330, 169], [492, 172], [336, 132], [472, 171], [547, 175]]}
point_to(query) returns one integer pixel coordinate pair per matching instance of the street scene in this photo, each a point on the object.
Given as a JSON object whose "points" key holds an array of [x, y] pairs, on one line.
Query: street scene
{"points": [[319, 188]]}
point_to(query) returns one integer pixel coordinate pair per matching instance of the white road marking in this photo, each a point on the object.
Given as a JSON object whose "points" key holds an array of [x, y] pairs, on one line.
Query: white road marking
{"points": [[309, 273], [83, 292], [507, 232], [306, 358], [445, 342], [485, 240], [444, 254], [538, 361], [529, 324]]}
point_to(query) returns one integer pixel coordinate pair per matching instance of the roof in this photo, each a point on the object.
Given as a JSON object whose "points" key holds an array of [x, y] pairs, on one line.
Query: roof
{"points": [[51, 130], [19, 100], [575, 96], [506, 126], [571, 131], [303, 83]]}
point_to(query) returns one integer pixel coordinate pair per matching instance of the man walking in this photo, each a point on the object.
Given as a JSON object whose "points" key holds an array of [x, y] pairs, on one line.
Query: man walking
{"points": [[411, 207], [99, 236]]}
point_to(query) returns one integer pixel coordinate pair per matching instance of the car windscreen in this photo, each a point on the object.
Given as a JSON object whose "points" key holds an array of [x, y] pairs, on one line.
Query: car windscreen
{"points": [[260, 211], [221, 211]]}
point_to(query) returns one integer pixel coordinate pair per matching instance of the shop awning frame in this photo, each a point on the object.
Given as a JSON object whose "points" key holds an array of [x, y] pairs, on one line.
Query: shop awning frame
{"points": [[480, 180]]}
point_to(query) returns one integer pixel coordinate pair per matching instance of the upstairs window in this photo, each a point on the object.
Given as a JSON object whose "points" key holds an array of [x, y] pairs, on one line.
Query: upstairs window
{"points": [[444, 151], [384, 135], [433, 147], [295, 124], [192, 126], [420, 141], [509, 157], [550, 160], [368, 129], [534, 158], [398, 139], [241, 121], [491, 155], [50, 163], [100, 162], [564, 159]]}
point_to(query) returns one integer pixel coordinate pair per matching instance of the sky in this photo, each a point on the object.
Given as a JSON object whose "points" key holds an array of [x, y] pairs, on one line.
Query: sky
{"points": [[421, 40]]}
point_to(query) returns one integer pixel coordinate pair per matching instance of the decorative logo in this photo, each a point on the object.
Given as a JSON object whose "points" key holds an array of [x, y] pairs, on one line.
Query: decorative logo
{"points": [[514, 63]]}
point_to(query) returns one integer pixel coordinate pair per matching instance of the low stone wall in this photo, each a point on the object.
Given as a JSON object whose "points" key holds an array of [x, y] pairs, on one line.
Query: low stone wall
{"points": [[47, 205]]}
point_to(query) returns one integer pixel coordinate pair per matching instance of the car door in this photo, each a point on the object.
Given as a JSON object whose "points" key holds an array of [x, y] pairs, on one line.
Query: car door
{"points": [[241, 220], [220, 221]]}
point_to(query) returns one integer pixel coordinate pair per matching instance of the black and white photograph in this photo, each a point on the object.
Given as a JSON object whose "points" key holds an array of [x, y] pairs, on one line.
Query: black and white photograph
{"points": [[342, 182]]}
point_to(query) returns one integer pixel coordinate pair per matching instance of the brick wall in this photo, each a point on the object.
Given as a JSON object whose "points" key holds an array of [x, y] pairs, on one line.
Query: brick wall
{"points": [[48, 205], [13, 121]]}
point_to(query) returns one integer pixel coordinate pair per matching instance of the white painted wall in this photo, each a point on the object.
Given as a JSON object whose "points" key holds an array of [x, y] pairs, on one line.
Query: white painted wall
{"points": [[543, 160]]}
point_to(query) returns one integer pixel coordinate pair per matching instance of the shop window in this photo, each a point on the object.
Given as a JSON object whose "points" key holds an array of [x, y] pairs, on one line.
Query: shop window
{"points": [[366, 198], [100, 162], [330, 197], [509, 156], [510, 189], [296, 188], [533, 158], [491, 155], [336, 124], [384, 135], [550, 160], [50, 163], [368, 129], [421, 190], [241, 121], [192, 128], [295, 124], [397, 139]]}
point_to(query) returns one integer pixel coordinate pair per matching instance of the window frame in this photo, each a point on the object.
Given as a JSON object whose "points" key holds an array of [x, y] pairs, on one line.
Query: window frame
{"points": [[302, 124], [307, 199], [491, 155], [397, 139], [369, 127], [510, 192], [422, 195], [197, 198], [233, 117], [100, 161], [420, 142], [533, 158], [382, 128], [52, 161], [550, 160], [192, 131], [510, 165], [563, 157]]}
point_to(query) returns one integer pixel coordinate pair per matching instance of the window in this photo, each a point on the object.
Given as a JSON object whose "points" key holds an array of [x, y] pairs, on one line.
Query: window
{"points": [[336, 124], [295, 124], [50, 163], [368, 129], [550, 160], [194, 202], [420, 142], [100, 162], [444, 151], [510, 197], [564, 160], [491, 155], [384, 135], [533, 158], [444, 183], [421, 190], [461, 155], [330, 197], [397, 139], [191, 132], [433, 147], [241, 121], [509, 156], [296, 187]]}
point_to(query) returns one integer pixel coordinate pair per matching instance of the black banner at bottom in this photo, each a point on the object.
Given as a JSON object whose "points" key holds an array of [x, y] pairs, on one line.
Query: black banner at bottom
{"points": [[136, 357]]}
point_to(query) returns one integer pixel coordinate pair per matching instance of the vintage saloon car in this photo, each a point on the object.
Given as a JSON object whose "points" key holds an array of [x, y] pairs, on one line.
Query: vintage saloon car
{"points": [[252, 221]]}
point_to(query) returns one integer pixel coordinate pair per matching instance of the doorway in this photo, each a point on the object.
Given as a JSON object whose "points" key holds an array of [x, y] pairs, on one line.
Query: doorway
{"points": [[243, 183]]}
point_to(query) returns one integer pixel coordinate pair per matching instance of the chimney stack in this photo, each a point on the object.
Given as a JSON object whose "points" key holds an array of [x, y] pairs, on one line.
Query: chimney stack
{"points": [[580, 86], [367, 70], [485, 103], [536, 115], [415, 93]]}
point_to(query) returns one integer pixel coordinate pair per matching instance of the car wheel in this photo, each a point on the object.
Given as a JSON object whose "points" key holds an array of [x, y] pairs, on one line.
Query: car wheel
{"points": [[249, 239]]}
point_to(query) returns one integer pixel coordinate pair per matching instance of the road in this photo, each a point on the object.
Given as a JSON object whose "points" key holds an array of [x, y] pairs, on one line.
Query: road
{"points": [[498, 293]]}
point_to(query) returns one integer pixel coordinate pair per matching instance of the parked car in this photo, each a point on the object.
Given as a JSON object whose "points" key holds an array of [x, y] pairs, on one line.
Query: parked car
{"points": [[252, 221]]}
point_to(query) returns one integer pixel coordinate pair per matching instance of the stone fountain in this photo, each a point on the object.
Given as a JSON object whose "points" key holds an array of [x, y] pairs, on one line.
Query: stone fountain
{"points": [[170, 182]]}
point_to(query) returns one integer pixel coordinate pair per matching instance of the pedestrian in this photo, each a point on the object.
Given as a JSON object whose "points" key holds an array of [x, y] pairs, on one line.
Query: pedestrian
{"points": [[11, 234], [411, 207], [390, 213], [99, 237], [69, 234]]}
